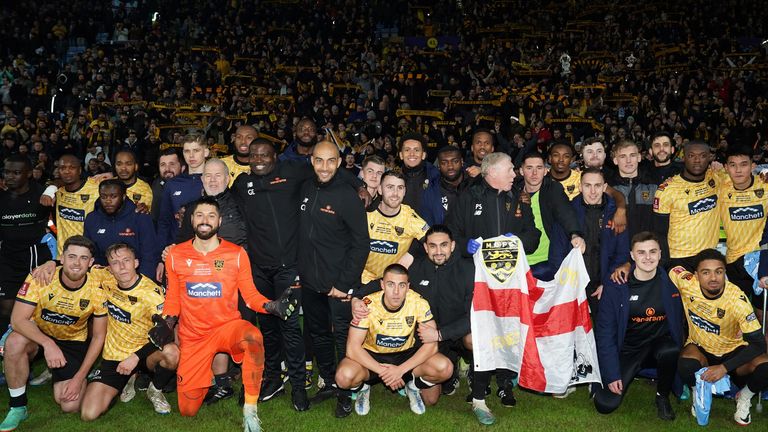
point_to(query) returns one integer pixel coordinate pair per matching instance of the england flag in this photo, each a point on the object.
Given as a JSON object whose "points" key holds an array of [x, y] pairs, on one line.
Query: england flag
{"points": [[541, 329]]}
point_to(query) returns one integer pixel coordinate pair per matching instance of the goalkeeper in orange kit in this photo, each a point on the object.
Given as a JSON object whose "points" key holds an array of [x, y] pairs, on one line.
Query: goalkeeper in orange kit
{"points": [[204, 276]]}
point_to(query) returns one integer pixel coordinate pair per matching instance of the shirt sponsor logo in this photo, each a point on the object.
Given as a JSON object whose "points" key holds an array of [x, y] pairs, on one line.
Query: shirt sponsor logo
{"points": [[702, 205], [204, 289], [384, 247], [703, 324], [70, 214], [390, 341], [746, 213], [57, 318], [118, 314]]}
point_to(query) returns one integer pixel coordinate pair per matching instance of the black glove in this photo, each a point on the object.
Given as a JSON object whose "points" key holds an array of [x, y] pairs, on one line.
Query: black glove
{"points": [[283, 306], [161, 333]]}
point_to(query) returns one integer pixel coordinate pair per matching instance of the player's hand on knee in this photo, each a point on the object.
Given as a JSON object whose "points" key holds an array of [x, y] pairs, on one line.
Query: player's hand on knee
{"points": [[43, 274], [127, 366], [72, 390], [161, 333], [616, 387], [284, 306]]}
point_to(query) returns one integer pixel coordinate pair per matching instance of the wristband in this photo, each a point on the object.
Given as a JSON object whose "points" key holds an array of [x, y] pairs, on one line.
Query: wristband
{"points": [[50, 191], [145, 351]]}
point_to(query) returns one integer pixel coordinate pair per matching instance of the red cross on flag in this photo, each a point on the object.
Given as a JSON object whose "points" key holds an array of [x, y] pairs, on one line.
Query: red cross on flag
{"points": [[540, 329]]}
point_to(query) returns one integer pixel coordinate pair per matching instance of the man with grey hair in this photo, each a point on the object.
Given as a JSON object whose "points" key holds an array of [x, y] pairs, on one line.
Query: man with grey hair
{"points": [[490, 208]]}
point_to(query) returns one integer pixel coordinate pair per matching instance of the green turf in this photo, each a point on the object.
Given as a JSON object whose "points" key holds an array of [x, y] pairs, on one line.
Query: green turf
{"points": [[390, 412]]}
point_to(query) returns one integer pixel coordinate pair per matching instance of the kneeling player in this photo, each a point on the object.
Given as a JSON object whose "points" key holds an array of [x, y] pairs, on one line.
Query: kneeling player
{"points": [[382, 347], [204, 276], [55, 317], [724, 333], [131, 302]]}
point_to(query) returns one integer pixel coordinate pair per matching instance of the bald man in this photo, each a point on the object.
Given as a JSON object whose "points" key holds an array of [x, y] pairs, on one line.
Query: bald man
{"points": [[239, 162], [333, 233]]}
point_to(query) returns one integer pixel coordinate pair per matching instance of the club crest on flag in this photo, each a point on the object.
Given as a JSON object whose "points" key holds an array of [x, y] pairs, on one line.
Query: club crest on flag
{"points": [[500, 258]]}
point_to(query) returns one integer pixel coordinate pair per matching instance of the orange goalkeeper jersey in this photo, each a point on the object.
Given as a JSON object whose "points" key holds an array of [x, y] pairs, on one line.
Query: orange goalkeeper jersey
{"points": [[202, 288]]}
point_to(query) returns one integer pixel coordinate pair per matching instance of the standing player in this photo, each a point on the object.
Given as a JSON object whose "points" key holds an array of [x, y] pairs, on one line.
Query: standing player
{"points": [[392, 227], [204, 277], [239, 162], [55, 317], [743, 206], [382, 347], [372, 169], [138, 191], [724, 333], [74, 200], [22, 225], [132, 299], [560, 159], [685, 207]]}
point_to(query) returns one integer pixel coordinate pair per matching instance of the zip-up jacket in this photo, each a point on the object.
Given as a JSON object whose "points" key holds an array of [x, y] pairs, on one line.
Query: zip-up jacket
{"points": [[639, 194], [269, 204], [333, 234], [125, 226], [481, 211], [614, 248], [448, 289], [177, 192], [613, 316]]}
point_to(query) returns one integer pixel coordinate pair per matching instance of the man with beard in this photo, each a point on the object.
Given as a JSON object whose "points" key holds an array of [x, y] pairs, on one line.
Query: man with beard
{"points": [[419, 173], [662, 166], [685, 208], [269, 196], [239, 162], [23, 221], [482, 145], [301, 147], [440, 194], [170, 164], [205, 275], [334, 238], [115, 220], [67, 319], [392, 227], [724, 332], [138, 190]]}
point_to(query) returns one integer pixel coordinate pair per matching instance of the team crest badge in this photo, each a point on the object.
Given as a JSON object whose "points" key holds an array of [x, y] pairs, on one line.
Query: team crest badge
{"points": [[646, 195], [571, 188], [759, 192], [720, 313], [399, 230], [133, 300], [136, 197], [500, 258], [218, 264], [409, 320], [711, 183], [50, 296], [84, 197], [84, 303]]}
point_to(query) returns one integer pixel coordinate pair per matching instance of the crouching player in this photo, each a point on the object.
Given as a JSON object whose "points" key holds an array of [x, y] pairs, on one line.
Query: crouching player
{"points": [[382, 347], [53, 319], [204, 276], [131, 301]]}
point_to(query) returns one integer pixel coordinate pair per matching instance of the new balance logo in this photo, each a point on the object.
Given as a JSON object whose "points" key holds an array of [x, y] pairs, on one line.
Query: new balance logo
{"points": [[101, 231], [384, 247], [633, 298], [746, 213], [702, 205], [424, 283], [204, 289], [177, 193]]}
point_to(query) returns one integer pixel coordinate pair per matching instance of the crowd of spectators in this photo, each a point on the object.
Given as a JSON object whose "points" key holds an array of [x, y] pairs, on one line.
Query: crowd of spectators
{"points": [[91, 77]]}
